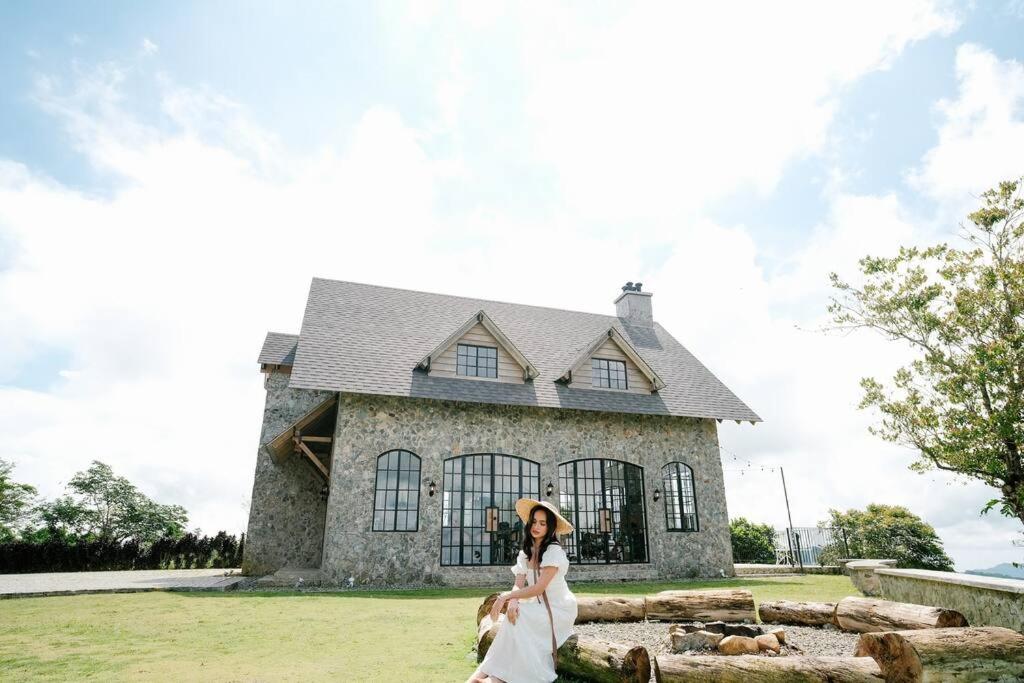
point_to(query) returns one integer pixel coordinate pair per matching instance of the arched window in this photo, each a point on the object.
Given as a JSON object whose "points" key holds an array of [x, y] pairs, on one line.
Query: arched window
{"points": [[479, 524], [604, 499], [680, 499], [396, 503]]}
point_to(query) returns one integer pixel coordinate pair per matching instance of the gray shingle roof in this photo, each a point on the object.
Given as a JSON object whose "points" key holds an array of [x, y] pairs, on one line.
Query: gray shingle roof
{"points": [[367, 339], [278, 349]]}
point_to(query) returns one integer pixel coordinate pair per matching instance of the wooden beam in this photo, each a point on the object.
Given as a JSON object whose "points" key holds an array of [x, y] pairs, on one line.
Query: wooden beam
{"points": [[280, 446], [315, 460], [317, 439]]}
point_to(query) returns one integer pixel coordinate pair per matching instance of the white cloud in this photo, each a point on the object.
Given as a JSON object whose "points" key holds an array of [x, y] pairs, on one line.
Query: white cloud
{"points": [[981, 130], [665, 108], [149, 47]]}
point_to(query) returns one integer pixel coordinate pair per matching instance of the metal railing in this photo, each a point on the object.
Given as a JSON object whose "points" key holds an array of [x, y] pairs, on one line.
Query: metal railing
{"points": [[800, 546]]}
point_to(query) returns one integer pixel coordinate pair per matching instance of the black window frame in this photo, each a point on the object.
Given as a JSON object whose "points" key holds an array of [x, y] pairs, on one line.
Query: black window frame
{"points": [[397, 490], [462, 360], [601, 370], [676, 472], [571, 491], [527, 474]]}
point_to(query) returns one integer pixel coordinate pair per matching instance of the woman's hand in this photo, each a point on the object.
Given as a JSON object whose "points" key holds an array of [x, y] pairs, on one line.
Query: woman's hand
{"points": [[512, 612], [496, 607]]}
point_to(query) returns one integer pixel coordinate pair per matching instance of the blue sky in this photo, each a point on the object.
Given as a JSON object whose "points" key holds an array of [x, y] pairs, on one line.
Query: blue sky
{"points": [[172, 174]]}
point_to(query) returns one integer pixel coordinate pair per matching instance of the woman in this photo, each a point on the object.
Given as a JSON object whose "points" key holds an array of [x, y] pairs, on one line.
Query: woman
{"points": [[529, 633]]}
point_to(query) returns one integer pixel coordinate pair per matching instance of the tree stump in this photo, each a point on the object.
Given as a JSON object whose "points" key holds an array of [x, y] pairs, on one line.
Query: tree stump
{"points": [[976, 653], [610, 609], [867, 615], [703, 668], [599, 660], [797, 613], [711, 605]]}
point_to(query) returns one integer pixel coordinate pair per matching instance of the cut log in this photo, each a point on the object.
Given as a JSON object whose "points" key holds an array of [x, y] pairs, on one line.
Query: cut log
{"points": [[486, 630], [713, 605], [702, 668], [976, 653], [868, 615], [591, 659], [588, 658], [610, 609], [797, 613]]}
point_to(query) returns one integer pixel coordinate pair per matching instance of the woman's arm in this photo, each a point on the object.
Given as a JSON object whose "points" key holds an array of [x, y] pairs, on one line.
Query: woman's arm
{"points": [[546, 575]]}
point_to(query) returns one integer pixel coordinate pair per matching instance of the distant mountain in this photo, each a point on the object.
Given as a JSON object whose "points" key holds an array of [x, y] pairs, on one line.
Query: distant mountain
{"points": [[1002, 571]]}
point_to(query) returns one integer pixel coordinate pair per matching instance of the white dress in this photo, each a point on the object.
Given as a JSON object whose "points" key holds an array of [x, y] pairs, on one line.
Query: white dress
{"points": [[521, 652]]}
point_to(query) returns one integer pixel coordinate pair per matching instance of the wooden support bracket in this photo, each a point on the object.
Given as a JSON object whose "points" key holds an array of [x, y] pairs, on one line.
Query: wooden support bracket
{"points": [[299, 446]]}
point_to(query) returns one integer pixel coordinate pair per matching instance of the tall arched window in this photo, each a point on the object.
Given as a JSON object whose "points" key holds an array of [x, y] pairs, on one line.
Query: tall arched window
{"points": [[680, 499], [604, 499], [479, 524], [396, 502]]}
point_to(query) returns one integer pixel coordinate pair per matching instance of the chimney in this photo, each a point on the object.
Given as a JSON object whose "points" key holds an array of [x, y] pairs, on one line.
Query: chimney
{"points": [[634, 306]]}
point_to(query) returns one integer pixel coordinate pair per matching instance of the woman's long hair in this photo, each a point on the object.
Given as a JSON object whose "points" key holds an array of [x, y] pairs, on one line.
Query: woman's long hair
{"points": [[551, 537]]}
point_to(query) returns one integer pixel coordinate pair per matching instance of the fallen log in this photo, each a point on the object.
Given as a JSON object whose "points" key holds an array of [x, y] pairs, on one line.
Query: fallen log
{"points": [[588, 658], [702, 668], [609, 609], [797, 613], [591, 659], [486, 630], [974, 653], [712, 605], [868, 615]]}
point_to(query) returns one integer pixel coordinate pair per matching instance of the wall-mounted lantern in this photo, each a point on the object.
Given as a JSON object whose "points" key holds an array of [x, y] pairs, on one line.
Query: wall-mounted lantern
{"points": [[490, 519], [657, 495], [432, 489], [550, 489]]}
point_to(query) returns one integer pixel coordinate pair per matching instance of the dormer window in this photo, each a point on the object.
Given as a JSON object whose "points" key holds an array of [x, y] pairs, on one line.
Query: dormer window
{"points": [[477, 361], [608, 374]]}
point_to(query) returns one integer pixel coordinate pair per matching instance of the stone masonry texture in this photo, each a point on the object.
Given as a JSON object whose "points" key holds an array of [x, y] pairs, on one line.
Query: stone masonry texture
{"points": [[288, 518]]}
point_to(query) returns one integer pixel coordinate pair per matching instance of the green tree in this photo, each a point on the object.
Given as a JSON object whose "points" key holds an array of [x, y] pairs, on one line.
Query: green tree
{"points": [[105, 506], [16, 502], [890, 532], [752, 542], [960, 402]]}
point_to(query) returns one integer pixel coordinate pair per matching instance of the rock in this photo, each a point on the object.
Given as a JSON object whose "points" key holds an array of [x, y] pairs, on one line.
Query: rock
{"points": [[767, 641], [686, 628], [738, 645], [747, 630], [715, 627], [779, 634], [698, 640]]}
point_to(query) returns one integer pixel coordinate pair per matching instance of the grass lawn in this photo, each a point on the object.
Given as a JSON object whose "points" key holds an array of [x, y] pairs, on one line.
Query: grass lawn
{"points": [[424, 635]]}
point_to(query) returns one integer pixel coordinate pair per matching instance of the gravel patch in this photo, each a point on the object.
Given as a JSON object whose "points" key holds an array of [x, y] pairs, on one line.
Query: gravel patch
{"points": [[826, 641]]}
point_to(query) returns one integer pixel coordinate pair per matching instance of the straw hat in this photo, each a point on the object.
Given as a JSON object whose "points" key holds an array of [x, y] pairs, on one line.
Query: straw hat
{"points": [[525, 505]]}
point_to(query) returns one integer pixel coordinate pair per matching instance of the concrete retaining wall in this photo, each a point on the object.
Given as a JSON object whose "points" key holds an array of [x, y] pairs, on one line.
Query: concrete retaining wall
{"points": [[985, 601]]}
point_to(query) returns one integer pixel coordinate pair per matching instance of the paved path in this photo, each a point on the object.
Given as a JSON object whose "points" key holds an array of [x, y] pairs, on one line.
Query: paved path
{"points": [[71, 583]]}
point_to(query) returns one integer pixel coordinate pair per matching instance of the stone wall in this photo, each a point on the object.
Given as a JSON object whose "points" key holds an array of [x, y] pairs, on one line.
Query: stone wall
{"points": [[435, 430], [984, 600], [286, 517], [862, 575]]}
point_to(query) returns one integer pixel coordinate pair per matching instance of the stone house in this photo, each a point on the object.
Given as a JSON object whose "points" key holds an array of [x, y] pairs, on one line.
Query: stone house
{"points": [[400, 427]]}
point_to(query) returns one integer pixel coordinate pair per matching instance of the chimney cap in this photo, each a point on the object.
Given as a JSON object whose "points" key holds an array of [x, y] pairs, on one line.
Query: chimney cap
{"points": [[632, 286]]}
